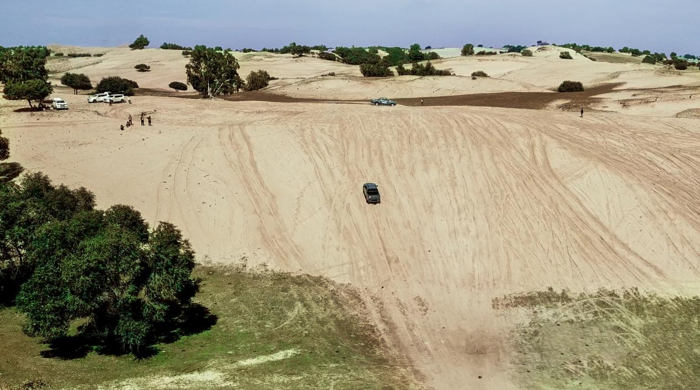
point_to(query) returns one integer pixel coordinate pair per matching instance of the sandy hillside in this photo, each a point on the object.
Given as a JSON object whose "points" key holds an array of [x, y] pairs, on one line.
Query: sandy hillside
{"points": [[476, 202]]}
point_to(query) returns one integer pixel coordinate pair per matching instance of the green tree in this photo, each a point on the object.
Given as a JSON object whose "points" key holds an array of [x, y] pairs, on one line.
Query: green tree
{"points": [[140, 43], [115, 84], [213, 73], [375, 70], [21, 64], [8, 171], [649, 60], [526, 53], [76, 81], [31, 90], [468, 50], [415, 54]]}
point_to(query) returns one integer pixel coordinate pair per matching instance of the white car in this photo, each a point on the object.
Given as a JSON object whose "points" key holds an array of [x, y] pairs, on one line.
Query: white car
{"points": [[59, 104], [116, 98], [99, 97]]}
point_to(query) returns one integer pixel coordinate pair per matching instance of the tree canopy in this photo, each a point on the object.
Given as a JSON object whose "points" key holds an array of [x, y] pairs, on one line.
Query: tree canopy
{"points": [[8, 171], [213, 73], [468, 50], [35, 90], [140, 43], [115, 84], [178, 86], [76, 81], [23, 70]]}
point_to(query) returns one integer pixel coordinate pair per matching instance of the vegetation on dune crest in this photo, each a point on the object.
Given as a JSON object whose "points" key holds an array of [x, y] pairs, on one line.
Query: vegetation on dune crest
{"points": [[570, 86], [479, 73], [79, 82], [115, 84], [422, 70], [649, 60], [173, 46], [213, 73], [565, 55], [140, 43], [468, 50], [142, 68], [526, 53], [375, 70]]}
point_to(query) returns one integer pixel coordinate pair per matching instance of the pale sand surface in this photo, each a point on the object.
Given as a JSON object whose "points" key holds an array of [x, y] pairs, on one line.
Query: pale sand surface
{"points": [[477, 202]]}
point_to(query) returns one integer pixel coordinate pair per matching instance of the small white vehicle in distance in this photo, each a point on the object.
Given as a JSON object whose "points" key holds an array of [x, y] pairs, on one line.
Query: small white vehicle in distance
{"points": [[98, 97], [116, 98], [59, 104]]}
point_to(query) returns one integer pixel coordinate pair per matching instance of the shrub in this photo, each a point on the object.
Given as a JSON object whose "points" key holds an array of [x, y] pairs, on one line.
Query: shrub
{"points": [[479, 73], [565, 55], [327, 56], [330, 74], [649, 60], [491, 53], [481, 53], [142, 68], [257, 80], [172, 46], [178, 86], [356, 56], [680, 64], [422, 70], [319, 48], [76, 81], [432, 56], [526, 53], [468, 50], [58, 55], [186, 53], [98, 55], [570, 86], [75, 55], [115, 84], [140, 43], [375, 70]]}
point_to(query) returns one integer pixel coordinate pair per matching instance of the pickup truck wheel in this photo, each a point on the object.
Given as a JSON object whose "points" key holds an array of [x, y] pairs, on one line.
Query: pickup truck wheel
{"points": [[376, 104], [393, 105]]}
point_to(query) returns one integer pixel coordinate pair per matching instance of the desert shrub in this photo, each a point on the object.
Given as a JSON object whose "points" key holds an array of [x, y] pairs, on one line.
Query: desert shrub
{"points": [[375, 70], [468, 50], [481, 53], [356, 56], [432, 56], [247, 50], [526, 53], [295, 50], [319, 47], [330, 74], [565, 55], [418, 69], [649, 60], [115, 84], [186, 53], [76, 81], [327, 56], [514, 48], [680, 64], [479, 73], [257, 80], [58, 55], [173, 46], [98, 55], [142, 68], [415, 54], [140, 43], [491, 53], [75, 55], [570, 86], [178, 86]]}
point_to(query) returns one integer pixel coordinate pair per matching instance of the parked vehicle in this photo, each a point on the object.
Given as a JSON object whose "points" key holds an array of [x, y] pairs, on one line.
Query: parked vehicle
{"points": [[371, 192], [98, 97], [59, 104], [116, 98], [383, 102]]}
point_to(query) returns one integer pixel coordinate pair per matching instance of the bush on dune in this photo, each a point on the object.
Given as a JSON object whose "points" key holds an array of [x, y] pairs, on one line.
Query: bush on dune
{"points": [[375, 70], [142, 68], [257, 80], [479, 73], [116, 84], [327, 56], [680, 64], [565, 55], [570, 86], [649, 60], [422, 70], [140, 43], [526, 53], [468, 50], [178, 86]]}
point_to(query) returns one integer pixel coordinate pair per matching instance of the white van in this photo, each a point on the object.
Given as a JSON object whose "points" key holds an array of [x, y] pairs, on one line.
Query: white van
{"points": [[99, 97]]}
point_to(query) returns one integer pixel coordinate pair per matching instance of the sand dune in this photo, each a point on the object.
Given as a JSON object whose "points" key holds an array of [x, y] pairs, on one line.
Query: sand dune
{"points": [[477, 202]]}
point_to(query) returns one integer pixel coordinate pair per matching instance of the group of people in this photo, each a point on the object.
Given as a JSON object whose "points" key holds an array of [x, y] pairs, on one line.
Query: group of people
{"points": [[130, 121]]}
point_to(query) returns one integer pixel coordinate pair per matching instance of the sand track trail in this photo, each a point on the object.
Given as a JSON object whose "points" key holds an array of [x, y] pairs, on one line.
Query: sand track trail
{"points": [[476, 203]]}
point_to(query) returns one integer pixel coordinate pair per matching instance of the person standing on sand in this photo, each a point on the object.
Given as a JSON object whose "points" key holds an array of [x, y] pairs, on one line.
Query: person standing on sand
{"points": [[581, 112], [149, 120], [142, 120], [421, 102]]}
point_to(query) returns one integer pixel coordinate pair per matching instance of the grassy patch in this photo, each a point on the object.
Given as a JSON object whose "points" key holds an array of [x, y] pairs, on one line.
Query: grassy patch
{"points": [[273, 330], [614, 58], [608, 340]]}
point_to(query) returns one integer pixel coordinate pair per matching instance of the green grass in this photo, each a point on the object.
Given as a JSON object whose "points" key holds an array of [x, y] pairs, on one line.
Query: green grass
{"points": [[607, 340], [260, 313]]}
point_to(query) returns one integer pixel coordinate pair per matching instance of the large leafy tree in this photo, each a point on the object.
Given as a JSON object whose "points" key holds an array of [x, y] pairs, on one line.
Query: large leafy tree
{"points": [[116, 84], [77, 82], [23, 70], [98, 266], [468, 50], [140, 43], [8, 171], [415, 54], [212, 72]]}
